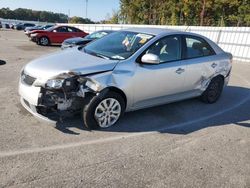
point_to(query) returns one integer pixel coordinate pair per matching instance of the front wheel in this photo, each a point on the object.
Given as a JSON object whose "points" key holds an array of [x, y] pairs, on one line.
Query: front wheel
{"points": [[103, 110], [44, 41], [213, 91]]}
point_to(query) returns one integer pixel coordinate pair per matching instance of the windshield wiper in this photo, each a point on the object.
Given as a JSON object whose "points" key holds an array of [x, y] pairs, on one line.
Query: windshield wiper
{"points": [[117, 57], [96, 54], [101, 56]]}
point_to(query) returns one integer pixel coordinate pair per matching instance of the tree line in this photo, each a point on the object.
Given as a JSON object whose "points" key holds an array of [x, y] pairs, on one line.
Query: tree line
{"points": [[185, 12], [154, 12], [42, 16]]}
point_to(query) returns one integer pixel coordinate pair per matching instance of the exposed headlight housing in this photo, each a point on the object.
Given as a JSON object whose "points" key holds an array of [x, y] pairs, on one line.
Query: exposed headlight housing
{"points": [[55, 83], [64, 80]]}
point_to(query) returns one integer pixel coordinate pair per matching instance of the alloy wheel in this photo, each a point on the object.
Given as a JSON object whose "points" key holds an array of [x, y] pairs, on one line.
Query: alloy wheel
{"points": [[107, 112], [44, 41]]}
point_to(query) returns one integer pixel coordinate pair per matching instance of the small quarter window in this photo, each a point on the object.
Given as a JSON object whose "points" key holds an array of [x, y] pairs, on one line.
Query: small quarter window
{"points": [[197, 47]]}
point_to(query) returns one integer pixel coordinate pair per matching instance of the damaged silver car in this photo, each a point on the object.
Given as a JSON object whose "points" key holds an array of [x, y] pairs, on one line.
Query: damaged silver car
{"points": [[124, 71]]}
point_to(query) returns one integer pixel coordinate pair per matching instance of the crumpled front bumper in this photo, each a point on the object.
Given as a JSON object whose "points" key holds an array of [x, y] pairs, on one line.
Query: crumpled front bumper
{"points": [[33, 110], [29, 100], [29, 93]]}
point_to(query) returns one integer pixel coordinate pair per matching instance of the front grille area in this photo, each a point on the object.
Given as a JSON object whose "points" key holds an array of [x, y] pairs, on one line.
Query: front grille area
{"points": [[29, 80]]}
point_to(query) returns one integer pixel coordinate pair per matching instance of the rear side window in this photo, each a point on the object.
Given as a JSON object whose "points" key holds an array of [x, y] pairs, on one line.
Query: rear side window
{"points": [[72, 29], [197, 47]]}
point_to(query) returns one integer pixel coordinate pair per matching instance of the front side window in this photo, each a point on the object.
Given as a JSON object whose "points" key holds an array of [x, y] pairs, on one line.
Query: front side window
{"points": [[197, 47], [167, 49], [62, 29], [119, 45]]}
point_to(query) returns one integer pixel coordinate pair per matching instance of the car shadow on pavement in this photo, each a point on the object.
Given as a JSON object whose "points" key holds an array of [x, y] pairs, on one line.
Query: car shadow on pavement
{"points": [[72, 122], [181, 117], [2, 62], [53, 46]]}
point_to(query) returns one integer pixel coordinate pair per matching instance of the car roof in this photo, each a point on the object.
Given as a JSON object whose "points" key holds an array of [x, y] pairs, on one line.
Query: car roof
{"points": [[153, 31], [107, 31]]}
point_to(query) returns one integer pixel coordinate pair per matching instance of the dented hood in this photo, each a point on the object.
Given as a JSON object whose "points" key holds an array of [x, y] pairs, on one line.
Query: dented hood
{"points": [[72, 60]]}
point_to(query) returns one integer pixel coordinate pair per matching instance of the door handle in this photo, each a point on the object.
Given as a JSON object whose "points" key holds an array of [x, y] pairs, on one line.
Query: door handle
{"points": [[180, 70], [214, 65]]}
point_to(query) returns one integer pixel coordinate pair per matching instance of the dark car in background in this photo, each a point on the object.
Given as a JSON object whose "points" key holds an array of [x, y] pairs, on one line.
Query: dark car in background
{"points": [[13, 25], [55, 35], [22, 26], [7, 26], [28, 30], [78, 41], [4, 25]]}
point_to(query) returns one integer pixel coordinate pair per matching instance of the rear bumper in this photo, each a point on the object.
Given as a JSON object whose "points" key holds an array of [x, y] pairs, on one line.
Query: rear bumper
{"points": [[226, 81], [227, 77]]}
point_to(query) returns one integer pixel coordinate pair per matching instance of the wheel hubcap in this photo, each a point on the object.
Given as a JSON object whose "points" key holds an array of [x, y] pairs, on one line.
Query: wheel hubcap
{"points": [[107, 112], [44, 41]]}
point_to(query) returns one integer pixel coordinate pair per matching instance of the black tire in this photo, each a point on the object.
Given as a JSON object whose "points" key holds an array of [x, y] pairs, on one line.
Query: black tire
{"points": [[213, 91], [88, 111], [43, 41]]}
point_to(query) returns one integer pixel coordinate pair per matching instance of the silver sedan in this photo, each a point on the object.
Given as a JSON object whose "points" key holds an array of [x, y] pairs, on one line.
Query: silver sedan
{"points": [[125, 71]]}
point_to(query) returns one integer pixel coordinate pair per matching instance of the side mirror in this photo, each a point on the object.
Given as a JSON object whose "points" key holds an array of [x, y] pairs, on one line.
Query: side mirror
{"points": [[54, 31], [150, 59]]}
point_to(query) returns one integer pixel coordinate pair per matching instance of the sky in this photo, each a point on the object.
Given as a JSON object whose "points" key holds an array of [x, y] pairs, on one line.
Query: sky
{"points": [[97, 9]]}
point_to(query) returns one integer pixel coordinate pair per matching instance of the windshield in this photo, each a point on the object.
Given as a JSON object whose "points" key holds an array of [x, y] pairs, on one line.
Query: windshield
{"points": [[51, 28], [96, 35], [119, 45]]}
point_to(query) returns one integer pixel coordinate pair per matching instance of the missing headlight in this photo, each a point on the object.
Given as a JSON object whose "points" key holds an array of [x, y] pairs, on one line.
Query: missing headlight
{"points": [[70, 84]]}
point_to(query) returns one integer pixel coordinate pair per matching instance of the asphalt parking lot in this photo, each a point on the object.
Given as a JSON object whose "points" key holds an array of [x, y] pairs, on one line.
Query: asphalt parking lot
{"points": [[185, 144]]}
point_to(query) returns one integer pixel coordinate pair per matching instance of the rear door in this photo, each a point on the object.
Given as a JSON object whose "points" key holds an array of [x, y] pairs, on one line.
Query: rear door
{"points": [[200, 61], [73, 32]]}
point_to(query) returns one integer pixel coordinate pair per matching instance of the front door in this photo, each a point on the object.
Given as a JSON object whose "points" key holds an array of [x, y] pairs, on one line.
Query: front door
{"points": [[157, 84], [60, 34]]}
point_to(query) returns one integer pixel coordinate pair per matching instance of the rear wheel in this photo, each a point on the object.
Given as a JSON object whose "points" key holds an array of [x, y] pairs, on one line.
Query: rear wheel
{"points": [[44, 41], [103, 110], [213, 91]]}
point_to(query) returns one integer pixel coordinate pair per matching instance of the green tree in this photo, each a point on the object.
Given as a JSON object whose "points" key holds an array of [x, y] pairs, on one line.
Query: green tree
{"points": [[80, 20], [186, 12]]}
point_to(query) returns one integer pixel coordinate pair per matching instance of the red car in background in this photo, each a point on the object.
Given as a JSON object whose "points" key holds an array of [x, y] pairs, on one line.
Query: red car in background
{"points": [[55, 35]]}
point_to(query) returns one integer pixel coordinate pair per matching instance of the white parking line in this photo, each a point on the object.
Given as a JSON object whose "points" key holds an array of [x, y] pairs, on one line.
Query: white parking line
{"points": [[114, 138]]}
